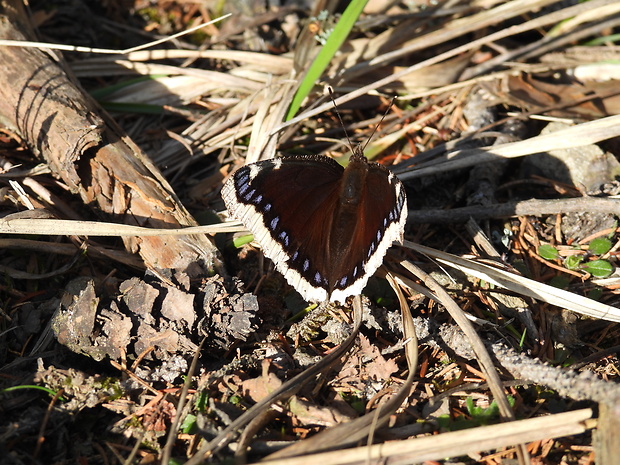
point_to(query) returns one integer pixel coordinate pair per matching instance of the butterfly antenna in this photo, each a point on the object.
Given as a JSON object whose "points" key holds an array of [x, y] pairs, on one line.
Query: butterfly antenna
{"points": [[379, 123], [331, 94]]}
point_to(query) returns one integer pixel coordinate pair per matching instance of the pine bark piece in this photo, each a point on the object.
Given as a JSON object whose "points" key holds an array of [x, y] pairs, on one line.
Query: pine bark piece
{"points": [[153, 317], [86, 149]]}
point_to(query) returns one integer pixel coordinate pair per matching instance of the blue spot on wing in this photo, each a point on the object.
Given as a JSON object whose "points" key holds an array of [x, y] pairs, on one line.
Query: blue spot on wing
{"points": [[243, 179], [284, 237], [371, 250], [249, 195]]}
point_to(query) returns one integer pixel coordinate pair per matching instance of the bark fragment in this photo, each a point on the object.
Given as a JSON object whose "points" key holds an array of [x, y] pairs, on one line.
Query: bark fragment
{"points": [[85, 148], [153, 317]]}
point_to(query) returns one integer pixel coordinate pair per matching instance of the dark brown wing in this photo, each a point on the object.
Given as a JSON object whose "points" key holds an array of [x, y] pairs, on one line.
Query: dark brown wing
{"points": [[285, 203]]}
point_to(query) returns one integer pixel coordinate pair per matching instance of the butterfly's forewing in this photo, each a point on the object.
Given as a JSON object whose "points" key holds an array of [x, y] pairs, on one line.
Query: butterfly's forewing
{"points": [[280, 202]]}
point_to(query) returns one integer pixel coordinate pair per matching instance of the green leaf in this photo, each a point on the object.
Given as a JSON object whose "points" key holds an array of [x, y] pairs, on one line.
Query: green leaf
{"points": [[482, 415], [491, 412], [522, 340], [242, 240], [189, 424], [548, 252], [604, 40], [471, 408], [600, 246], [354, 400], [325, 55], [201, 401], [104, 92], [572, 262], [599, 268]]}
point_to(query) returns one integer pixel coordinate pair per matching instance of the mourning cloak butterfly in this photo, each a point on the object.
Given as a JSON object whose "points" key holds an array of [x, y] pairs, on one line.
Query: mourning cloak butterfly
{"points": [[326, 228]]}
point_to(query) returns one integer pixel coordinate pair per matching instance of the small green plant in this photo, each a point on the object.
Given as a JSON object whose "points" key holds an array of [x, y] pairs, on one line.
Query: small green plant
{"points": [[189, 424], [479, 416], [326, 26], [548, 252], [572, 262], [200, 402], [51, 392], [599, 268], [354, 400], [483, 415]]}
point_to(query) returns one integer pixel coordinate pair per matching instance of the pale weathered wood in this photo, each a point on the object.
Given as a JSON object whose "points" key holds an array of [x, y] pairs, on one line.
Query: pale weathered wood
{"points": [[606, 438], [86, 149]]}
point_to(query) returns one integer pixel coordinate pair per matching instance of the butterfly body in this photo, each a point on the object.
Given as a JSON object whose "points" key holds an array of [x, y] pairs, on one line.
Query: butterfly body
{"points": [[325, 227]]}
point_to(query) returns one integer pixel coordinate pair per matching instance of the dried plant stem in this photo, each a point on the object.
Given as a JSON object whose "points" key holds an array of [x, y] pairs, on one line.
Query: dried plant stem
{"points": [[578, 386], [453, 444], [513, 209], [482, 354]]}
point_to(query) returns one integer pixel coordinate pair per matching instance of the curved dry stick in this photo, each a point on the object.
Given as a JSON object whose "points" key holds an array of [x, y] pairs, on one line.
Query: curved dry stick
{"points": [[482, 354]]}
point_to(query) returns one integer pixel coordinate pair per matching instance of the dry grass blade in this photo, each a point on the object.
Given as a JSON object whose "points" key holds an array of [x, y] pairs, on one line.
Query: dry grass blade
{"points": [[477, 345], [32, 44], [54, 227], [524, 286], [454, 444], [576, 136], [270, 63], [271, 112]]}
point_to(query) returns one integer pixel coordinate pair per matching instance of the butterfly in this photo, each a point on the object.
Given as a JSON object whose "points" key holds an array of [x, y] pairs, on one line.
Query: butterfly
{"points": [[326, 228]]}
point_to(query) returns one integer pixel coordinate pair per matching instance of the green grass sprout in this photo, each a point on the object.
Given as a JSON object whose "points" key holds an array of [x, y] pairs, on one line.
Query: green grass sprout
{"points": [[337, 37], [32, 386]]}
